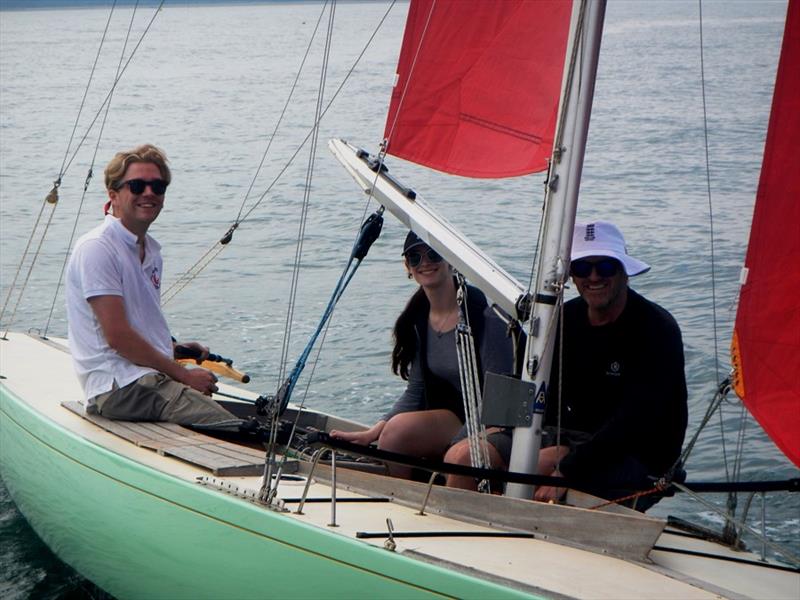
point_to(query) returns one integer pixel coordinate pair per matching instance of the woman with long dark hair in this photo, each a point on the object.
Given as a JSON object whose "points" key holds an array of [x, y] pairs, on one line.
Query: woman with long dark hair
{"points": [[429, 415]]}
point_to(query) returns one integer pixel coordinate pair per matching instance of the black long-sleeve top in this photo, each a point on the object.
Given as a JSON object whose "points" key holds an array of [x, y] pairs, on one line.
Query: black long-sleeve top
{"points": [[624, 384]]}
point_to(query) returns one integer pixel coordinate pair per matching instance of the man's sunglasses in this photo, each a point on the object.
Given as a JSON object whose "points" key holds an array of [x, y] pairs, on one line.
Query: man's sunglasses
{"points": [[138, 186], [606, 267], [414, 257]]}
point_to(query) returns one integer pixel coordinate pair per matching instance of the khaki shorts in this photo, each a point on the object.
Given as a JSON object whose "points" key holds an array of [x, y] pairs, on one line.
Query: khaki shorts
{"points": [[156, 397]]}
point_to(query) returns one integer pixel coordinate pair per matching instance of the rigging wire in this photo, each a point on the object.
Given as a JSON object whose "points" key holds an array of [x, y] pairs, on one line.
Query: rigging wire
{"points": [[91, 167], [732, 501], [116, 82], [708, 191], [283, 111], [383, 147], [216, 248], [276, 405], [281, 399], [63, 168], [30, 267], [715, 404], [52, 196], [557, 322], [739, 523], [368, 233], [574, 63], [306, 196], [188, 276]]}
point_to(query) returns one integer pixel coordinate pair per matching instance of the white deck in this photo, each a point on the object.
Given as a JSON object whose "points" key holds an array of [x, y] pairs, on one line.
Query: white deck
{"points": [[42, 374]]}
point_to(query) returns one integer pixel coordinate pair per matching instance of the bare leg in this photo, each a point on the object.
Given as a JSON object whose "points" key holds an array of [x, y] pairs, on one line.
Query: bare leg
{"points": [[550, 457], [459, 454], [425, 433], [548, 465]]}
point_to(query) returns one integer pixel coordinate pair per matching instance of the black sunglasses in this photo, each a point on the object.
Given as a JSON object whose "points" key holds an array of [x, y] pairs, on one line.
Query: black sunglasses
{"points": [[414, 257], [606, 267], [138, 186]]}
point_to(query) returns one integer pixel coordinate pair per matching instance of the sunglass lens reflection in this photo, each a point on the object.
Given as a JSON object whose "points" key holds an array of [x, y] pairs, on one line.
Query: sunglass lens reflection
{"points": [[138, 186], [415, 258], [604, 268]]}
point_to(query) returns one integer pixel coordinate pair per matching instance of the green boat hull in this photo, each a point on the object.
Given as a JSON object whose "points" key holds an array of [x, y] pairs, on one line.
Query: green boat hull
{"points": [[137, 532]]}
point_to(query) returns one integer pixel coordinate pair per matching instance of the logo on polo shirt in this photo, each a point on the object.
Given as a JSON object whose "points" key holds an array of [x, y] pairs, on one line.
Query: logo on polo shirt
{"points": [[155, 278]]}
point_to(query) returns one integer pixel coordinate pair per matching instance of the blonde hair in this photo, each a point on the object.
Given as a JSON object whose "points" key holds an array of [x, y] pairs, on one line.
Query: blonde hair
{"points": [[146, 153]]}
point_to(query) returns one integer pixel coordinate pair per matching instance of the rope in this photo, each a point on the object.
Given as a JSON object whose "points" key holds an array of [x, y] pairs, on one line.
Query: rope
{"points": [[470, 384], [635, 496], [188, 276], [368, 233], [730, 531]]}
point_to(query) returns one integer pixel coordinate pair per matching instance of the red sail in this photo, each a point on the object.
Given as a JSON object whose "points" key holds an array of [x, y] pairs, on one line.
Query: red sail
{"points": [[766, 343], [478, 85]]}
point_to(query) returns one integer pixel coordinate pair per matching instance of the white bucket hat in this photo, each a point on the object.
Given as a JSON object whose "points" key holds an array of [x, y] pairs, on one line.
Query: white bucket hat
{"points": [[601, 238]]}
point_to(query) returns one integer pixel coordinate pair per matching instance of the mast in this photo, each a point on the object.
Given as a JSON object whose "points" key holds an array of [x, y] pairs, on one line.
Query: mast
{"points": [[561, 204]]}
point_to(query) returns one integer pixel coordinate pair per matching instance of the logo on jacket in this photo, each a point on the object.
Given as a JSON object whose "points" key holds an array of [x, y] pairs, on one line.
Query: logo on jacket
{"points": [[155, 278], [614, 369]]}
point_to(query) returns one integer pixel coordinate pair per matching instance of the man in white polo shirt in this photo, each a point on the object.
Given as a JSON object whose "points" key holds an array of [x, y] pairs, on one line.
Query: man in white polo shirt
{"points": [[120, 342]]}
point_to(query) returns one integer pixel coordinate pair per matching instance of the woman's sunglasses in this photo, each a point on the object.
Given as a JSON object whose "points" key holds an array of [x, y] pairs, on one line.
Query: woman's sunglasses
{"points": [[138, 186], [414, 257], [606, 267]]}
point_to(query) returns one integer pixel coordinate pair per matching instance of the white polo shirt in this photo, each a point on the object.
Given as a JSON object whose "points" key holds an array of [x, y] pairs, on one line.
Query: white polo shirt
{"points": [[105, 262]]}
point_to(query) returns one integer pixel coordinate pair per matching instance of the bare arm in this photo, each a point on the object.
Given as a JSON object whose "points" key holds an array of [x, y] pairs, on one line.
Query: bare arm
{"points": [[365, 438], [126, 341]]}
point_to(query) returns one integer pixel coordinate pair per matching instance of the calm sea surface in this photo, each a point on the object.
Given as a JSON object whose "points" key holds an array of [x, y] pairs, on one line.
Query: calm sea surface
{"points": [[208, 85]]}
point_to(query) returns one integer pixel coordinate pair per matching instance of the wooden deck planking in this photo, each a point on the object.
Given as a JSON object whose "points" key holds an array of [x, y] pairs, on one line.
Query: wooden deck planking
{"points": [[169, 439]]}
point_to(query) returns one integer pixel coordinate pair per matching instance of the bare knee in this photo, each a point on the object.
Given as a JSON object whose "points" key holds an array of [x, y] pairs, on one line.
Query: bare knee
{"points": [[458, 454], [398, 433]]}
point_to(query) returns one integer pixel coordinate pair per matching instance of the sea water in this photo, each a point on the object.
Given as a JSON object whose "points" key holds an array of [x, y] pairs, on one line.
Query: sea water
{"points": [[209, 85]]}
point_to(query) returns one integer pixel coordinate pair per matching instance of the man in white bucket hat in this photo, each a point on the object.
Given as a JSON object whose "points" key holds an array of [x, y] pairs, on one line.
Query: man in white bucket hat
{"points": [[622, 402]]}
